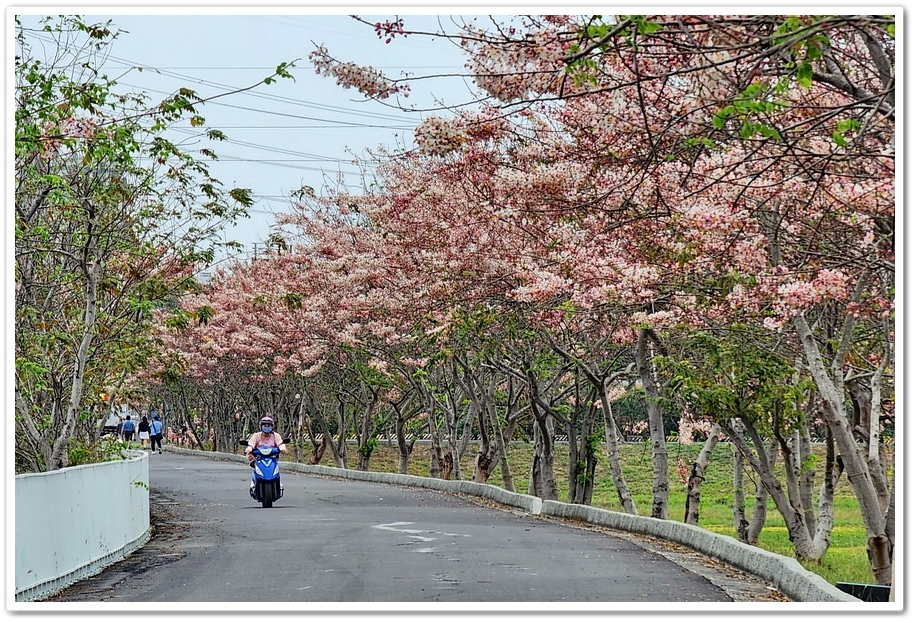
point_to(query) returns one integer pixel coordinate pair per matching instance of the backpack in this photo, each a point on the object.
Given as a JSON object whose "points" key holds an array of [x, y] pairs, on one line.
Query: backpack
{"points": [[128, 426]]}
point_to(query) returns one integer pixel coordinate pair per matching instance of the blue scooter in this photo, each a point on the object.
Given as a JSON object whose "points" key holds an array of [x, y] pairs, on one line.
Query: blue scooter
{"points": [[265, 475]]}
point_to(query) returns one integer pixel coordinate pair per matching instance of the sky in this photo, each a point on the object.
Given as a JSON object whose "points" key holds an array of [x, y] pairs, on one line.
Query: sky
{"points": [[291, 133]]}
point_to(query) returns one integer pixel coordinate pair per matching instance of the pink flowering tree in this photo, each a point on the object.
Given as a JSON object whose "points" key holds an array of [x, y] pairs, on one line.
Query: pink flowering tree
{"points": [[707, 169]]}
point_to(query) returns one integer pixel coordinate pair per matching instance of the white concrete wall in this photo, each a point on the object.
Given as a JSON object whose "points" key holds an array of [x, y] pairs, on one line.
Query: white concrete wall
{"points": [[71, 523]]}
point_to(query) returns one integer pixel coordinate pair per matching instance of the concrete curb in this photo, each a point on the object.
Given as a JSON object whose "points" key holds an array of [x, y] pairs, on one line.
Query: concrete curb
{"points": [[783, 572], [792, 580]]}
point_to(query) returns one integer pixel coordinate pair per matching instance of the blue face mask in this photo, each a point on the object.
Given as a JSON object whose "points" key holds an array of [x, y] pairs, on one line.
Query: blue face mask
{"points": [[267, 429]]}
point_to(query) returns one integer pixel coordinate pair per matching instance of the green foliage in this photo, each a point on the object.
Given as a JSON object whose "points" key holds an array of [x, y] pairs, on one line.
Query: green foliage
{"points": [[805, 43], [593, 443], [204, 313], [242, 195], [371, 376], [843, 128], [582, 475], [368, 448], [638, 26], [108, 448], [178, 319], [293, 301], [99, 193], [755, 100], [282, 71], [722, 376]]}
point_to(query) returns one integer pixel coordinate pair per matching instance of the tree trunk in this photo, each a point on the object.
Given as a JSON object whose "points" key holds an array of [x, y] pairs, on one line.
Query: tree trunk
{"points": [[874, 513], [823, 527], [318, 449], [801, 444], [660, 484], [58, 458], [582, 479], [542, 483], [435, 448], [761, 497], [612, 442], [488, 451], [337, 451], [479, 411], [460, 448], [738, 499], [692, 506], [405, 447], [365, 431], [792, 514], [300, 427], [503, 436]]}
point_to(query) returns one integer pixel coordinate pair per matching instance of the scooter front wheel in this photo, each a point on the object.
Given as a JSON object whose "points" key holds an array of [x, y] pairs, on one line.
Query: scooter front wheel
{"points": [[267, 495]]}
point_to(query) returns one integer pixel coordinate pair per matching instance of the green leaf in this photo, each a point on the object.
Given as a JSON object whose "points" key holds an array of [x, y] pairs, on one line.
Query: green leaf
{"points": [[804, 75], [242, 195]]}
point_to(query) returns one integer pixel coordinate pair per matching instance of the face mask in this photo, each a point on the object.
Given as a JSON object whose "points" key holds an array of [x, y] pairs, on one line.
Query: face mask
{"points": [[267, 429]]}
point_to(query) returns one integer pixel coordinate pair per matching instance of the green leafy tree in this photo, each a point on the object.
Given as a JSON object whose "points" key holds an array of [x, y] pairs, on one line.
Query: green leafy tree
{"points": [[112, 220], [757, 398]]}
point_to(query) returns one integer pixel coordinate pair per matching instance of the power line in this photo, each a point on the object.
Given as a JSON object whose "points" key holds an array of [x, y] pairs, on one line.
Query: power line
{"points": [[130, 64], [292, 115], [269, 96], [269, 68]]}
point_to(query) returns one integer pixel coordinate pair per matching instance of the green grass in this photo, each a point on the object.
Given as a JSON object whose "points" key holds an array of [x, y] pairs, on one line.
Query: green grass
{"points": [[846, 559]]}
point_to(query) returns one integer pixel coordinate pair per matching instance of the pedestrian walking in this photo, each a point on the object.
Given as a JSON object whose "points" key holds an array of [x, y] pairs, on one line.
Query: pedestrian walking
{"points": [[155, 432], [127, 429], [144, 431]]}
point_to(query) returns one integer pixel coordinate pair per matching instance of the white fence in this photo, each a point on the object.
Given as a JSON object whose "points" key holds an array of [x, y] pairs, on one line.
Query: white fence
{"points": [[72, 523]]}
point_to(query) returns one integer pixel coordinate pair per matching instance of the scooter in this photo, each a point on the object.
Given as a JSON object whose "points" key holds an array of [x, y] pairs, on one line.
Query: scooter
{"points": [[265, 475]]}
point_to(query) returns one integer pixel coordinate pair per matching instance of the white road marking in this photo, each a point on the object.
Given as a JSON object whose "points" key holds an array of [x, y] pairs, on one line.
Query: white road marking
{"points": [[391, 526], [414, 532]]}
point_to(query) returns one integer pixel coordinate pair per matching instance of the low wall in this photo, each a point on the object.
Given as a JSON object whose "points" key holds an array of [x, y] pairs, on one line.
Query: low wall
{"points": [[785, 573], [72, 523]]}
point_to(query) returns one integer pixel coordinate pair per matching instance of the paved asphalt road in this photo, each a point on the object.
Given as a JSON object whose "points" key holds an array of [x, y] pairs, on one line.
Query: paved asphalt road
{"points": [[332, 540]]}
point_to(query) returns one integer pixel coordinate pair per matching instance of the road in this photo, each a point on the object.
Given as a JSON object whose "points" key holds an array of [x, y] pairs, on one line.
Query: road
{"points": [[334, 540]]}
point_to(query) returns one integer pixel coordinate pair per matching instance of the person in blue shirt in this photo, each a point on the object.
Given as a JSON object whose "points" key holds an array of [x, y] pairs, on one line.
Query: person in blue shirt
{"points": [[155, 432], [127, 429]]}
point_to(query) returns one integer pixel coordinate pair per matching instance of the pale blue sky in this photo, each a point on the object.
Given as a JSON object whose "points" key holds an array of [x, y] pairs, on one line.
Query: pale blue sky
{"points": [[290, 133]]}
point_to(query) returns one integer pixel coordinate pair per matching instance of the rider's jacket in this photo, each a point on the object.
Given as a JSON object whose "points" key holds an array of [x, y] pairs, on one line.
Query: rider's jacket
{"points": [[260, 439]]}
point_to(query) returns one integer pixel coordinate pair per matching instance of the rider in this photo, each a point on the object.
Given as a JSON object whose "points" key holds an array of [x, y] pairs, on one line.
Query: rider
{"points": [[266, 437]]}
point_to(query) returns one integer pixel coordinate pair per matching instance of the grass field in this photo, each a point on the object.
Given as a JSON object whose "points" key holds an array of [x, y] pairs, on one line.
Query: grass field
{"points": [[846, 560]]}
